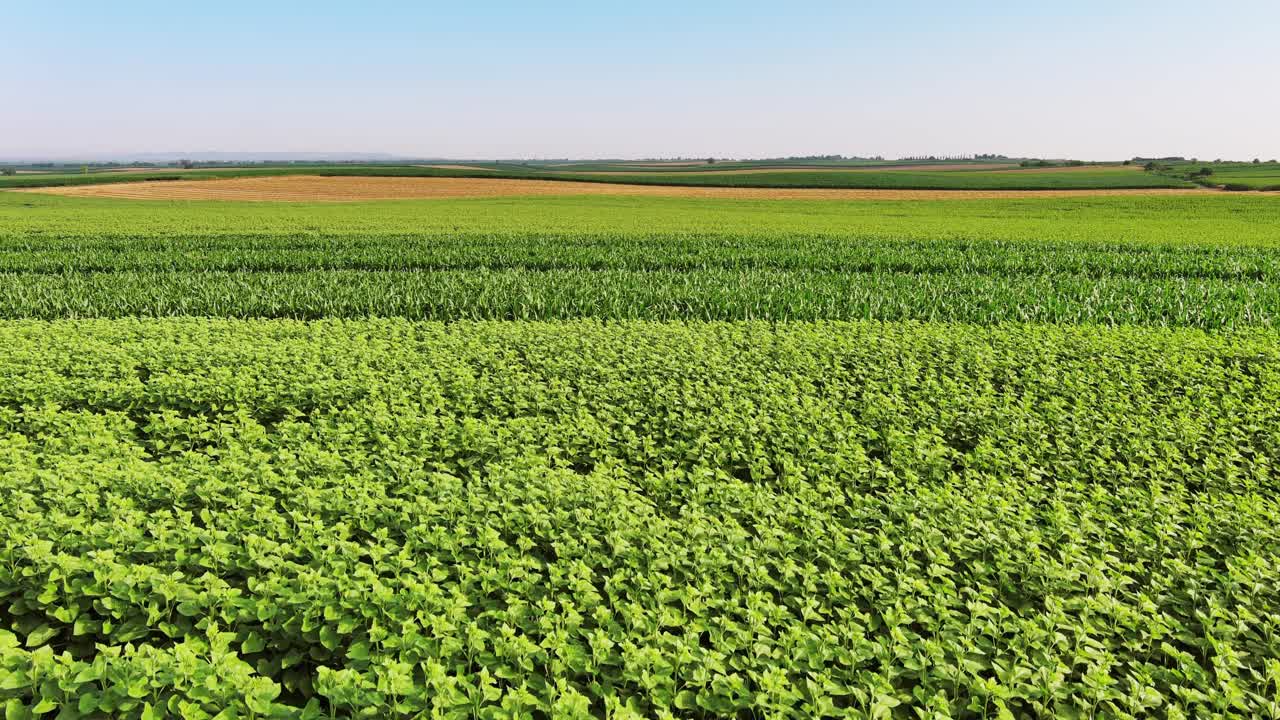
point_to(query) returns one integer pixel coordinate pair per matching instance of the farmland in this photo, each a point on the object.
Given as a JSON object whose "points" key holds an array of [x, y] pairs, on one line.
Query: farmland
{"points": [[1260, 176], [911, 176], [642, 456], [905, 178], [1197, 261], [352, 188]]}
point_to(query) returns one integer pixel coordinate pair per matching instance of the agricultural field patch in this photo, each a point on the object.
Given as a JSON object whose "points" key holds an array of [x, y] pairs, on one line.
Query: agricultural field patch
{"points": [[713, 170], [1135, 260], [1231, 176], [1263, 176], [631, 456], [1208, 260], [304, 188], [383, 518], [845, 175], [904, 178], [458, 167]]}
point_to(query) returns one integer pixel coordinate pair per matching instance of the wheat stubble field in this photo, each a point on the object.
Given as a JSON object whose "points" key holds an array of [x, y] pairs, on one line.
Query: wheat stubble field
{"points": [[304, 446]]}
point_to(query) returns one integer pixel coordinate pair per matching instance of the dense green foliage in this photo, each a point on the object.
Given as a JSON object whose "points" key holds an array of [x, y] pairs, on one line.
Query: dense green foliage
{"points": [[668, 294], [617, 518], [1191, 261], [635, 520]]}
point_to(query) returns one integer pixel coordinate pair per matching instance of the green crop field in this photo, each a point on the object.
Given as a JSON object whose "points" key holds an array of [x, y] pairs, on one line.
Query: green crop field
{"points": [[1111, 177], [1262, 176], [162, 174], [1180, 261], [642, 457], [1236, 176], [857, 176]]}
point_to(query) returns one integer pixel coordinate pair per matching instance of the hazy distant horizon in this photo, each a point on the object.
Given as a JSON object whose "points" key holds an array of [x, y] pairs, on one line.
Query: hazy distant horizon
{"points": [[1085, 80], [346, 157]]}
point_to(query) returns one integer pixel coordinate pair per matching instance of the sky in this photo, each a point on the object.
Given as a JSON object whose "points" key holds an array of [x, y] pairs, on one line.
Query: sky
{"points": [[660, 78]]}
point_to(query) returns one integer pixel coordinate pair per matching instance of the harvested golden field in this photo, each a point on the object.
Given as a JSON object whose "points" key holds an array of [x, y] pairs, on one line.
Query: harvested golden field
{"points": [[310, 188]]}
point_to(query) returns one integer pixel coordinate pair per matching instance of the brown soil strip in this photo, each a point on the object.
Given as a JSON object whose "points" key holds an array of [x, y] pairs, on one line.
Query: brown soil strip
{"points": [[307, 188]]}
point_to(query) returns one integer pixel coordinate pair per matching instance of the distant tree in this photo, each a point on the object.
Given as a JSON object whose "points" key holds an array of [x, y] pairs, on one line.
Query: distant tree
{"points": [[186, 164], [711, 161], [1203, 172], [1127, 162], [10, 171], [1256, 161]]}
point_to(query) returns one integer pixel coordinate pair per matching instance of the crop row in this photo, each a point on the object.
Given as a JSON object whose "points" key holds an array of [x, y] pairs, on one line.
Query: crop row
{"points": [[653, 252], [1222, 220], [1210, 263], [639, 294], [634, 520]]}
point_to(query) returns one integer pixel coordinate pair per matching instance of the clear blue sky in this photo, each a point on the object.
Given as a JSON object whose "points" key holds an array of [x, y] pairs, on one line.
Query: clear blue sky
{"points": [[1082, 79]]}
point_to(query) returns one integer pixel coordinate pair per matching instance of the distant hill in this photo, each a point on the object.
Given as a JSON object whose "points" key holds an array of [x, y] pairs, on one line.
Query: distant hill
{"points": [[268, 156], [211, 156]]}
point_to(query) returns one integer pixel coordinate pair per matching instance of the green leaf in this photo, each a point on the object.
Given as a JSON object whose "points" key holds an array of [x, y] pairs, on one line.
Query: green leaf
{"points": [[358, 651], [15, 710], [328, 638], [14, 680], [261, 693], [87, 702], [254, 643], [40, 635]]}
